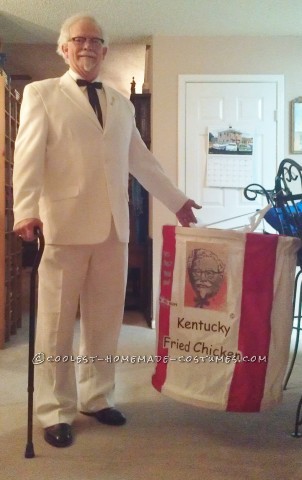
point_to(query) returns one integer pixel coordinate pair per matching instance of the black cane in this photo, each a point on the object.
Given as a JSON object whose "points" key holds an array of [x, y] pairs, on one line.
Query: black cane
{"points": [[29, 451]]}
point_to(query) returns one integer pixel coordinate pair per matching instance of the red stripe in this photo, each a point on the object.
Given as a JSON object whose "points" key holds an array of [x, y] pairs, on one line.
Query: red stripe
{"points": [[167, 268], [247, 386]]}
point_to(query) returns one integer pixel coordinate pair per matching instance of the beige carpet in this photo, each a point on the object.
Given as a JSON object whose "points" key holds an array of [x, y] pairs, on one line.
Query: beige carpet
{"points": [[163, 439]]}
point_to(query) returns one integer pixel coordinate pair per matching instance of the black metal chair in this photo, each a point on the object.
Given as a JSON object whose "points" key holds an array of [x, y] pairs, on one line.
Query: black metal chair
{"points": [[286, 218]]}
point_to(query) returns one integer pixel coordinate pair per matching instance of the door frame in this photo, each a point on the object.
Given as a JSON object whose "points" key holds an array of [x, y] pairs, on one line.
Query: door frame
{"points": [[183, 80]]}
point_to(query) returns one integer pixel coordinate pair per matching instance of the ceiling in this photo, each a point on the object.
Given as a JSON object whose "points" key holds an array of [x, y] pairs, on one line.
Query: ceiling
{"points": [[126, 21], [29, 28]]}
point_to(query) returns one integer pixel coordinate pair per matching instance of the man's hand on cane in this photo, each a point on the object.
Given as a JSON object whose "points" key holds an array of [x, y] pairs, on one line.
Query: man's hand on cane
{"points": [[26, 228]]}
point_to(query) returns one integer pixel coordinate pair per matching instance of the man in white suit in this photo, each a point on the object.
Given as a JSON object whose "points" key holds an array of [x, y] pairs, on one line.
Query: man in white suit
{"points": [[71, 180]]}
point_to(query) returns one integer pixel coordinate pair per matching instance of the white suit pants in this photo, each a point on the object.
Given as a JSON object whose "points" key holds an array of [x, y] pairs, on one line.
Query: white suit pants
{"points": [[97, 274]]}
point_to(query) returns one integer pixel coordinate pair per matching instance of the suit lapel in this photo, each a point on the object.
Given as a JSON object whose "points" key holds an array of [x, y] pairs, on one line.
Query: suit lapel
{"points": [[111, 104], [73, 92]]}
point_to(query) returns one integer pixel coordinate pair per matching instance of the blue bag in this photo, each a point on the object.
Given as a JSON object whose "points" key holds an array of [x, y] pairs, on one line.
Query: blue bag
{"points": [[286, 220]]}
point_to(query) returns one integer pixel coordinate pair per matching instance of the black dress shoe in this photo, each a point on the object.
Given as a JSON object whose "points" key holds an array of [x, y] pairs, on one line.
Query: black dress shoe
{"points": [[108, 416], [58, 435]]}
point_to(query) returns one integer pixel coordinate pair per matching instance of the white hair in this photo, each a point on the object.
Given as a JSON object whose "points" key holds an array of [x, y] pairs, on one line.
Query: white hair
{"points": [[65, 30]]}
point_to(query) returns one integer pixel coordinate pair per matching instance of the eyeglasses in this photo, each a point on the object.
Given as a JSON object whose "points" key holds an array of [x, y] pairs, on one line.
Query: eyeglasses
{"points": [[94, 41]]}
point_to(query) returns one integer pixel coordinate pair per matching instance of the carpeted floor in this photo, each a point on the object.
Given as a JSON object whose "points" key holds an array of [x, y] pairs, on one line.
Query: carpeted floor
{"points": [[163, 439]]}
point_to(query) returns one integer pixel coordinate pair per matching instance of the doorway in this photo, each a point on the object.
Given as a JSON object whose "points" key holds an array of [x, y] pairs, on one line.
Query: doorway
{"points": [[242, 111]]}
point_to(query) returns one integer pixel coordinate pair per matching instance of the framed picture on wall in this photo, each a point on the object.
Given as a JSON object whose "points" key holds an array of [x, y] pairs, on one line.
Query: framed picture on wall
{"points": [[296, 125]]}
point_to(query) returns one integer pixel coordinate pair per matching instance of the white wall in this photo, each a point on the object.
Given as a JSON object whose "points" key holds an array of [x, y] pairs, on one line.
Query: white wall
{"points": [[172, 56]]}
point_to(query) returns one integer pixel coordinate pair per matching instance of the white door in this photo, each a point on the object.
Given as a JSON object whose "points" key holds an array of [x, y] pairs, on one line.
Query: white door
{"points": [[246, 104]]}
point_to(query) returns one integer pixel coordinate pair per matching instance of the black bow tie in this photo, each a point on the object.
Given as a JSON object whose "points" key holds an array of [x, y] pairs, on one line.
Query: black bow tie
{"points": [[84, 83], [93, 96]]}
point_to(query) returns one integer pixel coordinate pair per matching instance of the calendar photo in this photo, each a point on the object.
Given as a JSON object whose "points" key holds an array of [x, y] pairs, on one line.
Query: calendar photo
{"points": [[230, 141]]}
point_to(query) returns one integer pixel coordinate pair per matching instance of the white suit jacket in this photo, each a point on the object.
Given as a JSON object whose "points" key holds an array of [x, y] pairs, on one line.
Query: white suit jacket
{"points": [[71, 173]]}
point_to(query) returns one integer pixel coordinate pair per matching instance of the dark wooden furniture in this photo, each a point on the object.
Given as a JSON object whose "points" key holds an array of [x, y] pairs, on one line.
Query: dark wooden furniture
{"points": [[10, 245], [139, 285]]}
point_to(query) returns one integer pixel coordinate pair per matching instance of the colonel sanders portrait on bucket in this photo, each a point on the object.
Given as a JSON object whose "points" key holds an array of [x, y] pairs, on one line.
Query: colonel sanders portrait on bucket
{"points": [[206, 274]]}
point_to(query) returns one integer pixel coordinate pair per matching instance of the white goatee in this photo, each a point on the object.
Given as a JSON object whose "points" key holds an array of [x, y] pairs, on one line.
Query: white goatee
{"points": [[88, 63]]}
